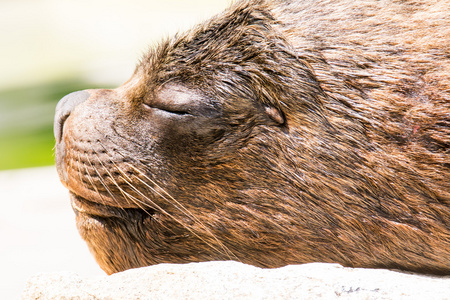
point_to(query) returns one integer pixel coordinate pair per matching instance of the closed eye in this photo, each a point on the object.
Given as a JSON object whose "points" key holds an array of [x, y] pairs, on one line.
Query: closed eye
{"points": [[168, 110], [176, 112]]}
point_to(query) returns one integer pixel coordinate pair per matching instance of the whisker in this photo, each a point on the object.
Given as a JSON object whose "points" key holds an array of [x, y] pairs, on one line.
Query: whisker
{"points": [[89, 177], [126, 195], [111, 176], [105, 185], [79, 171], [180, 222], [183, 209], [129, 183], [178, 206]]}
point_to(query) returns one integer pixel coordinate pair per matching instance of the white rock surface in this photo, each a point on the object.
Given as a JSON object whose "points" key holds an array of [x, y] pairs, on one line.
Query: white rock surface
{"points": [[233, 280]]}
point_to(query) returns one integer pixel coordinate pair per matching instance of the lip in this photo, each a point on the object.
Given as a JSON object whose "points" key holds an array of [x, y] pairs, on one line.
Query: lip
{"points": [[81, 205], [96, 210]]}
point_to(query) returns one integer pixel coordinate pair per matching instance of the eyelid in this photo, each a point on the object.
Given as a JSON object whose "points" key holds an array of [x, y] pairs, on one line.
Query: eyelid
{"points": [[169, 110], [176, 112]]}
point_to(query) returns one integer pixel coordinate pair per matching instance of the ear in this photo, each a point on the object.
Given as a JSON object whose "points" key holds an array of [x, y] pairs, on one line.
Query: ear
{"points": [[275, 114]]}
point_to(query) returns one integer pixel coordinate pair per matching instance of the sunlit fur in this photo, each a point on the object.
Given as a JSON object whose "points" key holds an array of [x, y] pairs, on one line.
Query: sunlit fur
{"points": [[351, 165]]}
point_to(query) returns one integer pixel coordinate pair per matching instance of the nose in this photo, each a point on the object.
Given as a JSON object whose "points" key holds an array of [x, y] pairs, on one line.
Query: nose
{"points": [[63, 110]]}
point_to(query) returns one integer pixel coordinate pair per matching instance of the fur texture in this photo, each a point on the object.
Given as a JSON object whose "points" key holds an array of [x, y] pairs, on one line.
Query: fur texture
{"points": [[278, 132]]}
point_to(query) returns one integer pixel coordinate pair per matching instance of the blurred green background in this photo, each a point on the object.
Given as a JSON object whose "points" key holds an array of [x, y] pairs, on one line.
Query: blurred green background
{"points": [[26, 114], [49, 48]]}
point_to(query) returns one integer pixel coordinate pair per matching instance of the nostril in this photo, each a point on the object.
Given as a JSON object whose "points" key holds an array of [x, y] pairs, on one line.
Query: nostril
{"points": [[63, 110]]}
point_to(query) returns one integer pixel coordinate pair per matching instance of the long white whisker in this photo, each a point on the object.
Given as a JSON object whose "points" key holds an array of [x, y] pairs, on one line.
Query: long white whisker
{"points": [[105, 185], [171, 201], [170, 215], [90, 178], [182, 209]]}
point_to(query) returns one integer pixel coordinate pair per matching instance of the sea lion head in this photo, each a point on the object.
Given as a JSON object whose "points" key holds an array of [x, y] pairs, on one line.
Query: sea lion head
{"points": [[256, 139], [153, 165]]}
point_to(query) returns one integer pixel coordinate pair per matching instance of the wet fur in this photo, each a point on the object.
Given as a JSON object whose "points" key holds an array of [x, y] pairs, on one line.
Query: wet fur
{"points": [[327, 141]]}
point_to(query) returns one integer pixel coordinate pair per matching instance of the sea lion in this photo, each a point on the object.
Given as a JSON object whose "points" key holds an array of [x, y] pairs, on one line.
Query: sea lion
{"points": [[278, 132]]}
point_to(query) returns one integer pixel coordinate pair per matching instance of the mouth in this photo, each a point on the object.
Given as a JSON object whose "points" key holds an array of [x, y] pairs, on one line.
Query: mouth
{"points": [[94, 209]]}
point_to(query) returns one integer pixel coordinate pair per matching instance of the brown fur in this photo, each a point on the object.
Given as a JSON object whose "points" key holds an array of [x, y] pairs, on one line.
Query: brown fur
{"points": [[279, 132]]}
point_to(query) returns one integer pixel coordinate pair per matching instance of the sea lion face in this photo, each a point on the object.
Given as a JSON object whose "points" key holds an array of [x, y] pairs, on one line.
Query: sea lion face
{"points": [[103, 136], [148, 167], [162, 168]]}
